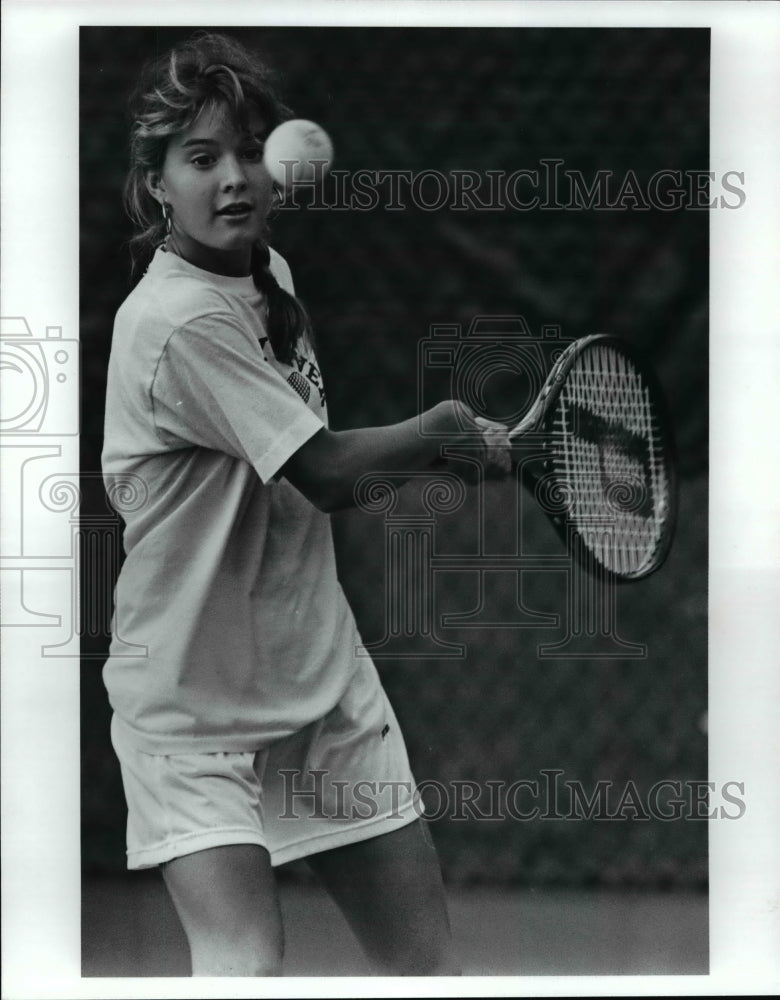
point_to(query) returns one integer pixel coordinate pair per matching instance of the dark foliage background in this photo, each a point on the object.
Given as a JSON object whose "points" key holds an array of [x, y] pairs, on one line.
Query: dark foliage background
{"points": [[374, 282]]}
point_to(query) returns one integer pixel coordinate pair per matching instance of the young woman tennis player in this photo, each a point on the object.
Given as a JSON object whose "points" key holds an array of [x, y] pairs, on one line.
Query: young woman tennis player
{"points": [[255, 727]]}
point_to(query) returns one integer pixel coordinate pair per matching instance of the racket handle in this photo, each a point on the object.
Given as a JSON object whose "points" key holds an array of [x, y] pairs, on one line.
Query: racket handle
{"points": [[529, 421]]}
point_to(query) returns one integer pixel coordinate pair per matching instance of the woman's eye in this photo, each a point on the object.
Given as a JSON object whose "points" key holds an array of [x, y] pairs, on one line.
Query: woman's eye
{"points": [[202, 160], [253, 153]]}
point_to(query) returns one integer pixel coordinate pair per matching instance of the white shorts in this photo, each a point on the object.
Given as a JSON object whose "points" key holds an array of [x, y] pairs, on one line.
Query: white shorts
{"points": [[341, 779]]}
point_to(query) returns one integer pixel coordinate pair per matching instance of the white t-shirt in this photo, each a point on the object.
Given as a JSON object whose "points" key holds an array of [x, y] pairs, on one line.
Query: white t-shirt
{"points": [[230, 577]]}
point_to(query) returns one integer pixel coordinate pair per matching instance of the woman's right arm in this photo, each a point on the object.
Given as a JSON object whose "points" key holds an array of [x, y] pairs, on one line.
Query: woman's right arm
{"points": [[327, 467], [213, 388]]}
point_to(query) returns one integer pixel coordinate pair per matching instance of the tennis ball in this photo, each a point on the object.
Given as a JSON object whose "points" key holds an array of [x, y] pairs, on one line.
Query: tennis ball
{"points": [[296, 151]]}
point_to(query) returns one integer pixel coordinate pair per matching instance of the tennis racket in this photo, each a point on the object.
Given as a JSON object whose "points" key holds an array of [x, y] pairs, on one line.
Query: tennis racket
{"points": [[604, 471]]}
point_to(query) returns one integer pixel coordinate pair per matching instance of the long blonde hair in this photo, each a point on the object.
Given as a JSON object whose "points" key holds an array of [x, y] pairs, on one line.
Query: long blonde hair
{"points": [[207, 71]]}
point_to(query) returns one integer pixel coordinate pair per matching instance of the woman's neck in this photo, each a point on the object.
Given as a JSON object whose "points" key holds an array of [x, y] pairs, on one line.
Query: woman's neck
{"points": [[231, 263]]}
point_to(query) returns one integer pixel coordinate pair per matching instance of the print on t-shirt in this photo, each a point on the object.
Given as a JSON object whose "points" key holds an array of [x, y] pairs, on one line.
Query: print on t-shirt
{"points": [[301, 386], [304, 375]]}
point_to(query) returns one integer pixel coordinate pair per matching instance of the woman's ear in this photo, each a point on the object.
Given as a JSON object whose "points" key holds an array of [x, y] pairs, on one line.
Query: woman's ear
{"points": [[155, 185]]}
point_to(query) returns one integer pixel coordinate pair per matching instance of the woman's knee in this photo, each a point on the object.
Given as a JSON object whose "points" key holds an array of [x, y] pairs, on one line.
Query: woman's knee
{"points": [[255, 949], [247, 954], [421, 958], [236, 962]]}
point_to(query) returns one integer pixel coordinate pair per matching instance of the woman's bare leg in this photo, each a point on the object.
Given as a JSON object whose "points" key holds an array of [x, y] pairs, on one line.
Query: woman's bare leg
{"points": [[227, 901], [390, 890]]}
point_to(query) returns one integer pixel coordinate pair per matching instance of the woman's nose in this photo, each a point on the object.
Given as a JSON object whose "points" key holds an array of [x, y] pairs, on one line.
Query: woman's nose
{"points": [[233, 177]]}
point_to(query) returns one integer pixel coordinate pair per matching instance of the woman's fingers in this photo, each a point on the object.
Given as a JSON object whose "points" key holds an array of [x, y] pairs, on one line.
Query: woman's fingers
{"points": [[498, 453]]}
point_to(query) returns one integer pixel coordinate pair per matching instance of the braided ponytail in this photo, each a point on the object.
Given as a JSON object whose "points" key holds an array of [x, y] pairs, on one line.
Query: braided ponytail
{"points": [[288, 321]]}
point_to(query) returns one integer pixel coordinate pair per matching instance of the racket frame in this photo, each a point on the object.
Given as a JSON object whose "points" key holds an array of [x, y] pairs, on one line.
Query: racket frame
{"points": [[535, 422]]}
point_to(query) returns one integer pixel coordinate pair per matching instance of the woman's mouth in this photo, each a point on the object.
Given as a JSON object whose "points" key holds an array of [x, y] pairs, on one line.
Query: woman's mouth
{"points": [[236, 210]]}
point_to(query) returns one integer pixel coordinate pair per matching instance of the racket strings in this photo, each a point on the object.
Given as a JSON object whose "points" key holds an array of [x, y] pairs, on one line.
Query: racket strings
{"points": [[607, 449]]}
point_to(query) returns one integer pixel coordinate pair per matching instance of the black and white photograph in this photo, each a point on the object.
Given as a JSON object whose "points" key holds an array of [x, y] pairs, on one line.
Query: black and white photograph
{"points": [[389, 500]]}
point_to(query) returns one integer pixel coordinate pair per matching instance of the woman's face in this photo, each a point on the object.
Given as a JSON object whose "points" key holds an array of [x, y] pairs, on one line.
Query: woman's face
{"points": [[218, 191]]}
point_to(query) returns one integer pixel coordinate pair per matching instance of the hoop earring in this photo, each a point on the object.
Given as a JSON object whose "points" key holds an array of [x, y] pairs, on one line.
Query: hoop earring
{"points": [[276, 203]]}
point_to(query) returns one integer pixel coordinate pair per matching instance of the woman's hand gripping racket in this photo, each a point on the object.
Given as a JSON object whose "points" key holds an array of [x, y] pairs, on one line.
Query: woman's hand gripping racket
{"points": [[604, 472]]}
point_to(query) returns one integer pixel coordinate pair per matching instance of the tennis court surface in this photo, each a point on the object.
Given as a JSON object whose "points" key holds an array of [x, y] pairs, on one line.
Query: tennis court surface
{"points": [[129, 928]]}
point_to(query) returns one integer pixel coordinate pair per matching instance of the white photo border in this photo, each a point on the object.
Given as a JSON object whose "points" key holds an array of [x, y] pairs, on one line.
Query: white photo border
{"points": [[40, 699]]}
